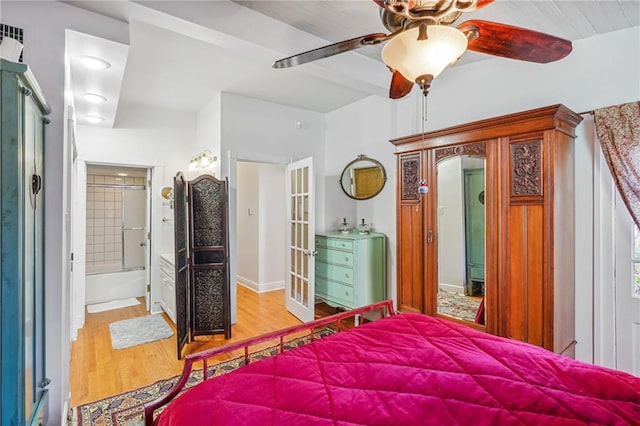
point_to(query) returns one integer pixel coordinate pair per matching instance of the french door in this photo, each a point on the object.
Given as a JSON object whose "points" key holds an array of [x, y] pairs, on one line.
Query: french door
{"points": [[300, 282]]}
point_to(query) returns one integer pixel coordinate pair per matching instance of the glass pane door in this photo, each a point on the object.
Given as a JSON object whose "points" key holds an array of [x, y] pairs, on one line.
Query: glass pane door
{"points": [[300, 291]]}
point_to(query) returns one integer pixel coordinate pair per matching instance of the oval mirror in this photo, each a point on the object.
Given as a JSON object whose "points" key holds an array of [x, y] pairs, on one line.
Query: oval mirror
{"points": [[363, 178]]}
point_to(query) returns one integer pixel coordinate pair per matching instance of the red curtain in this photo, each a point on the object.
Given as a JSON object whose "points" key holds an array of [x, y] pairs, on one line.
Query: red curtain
{"points": [[618, 129]]}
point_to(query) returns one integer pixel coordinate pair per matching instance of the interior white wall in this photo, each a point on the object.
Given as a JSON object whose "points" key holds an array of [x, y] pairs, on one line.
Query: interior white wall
{"points": [[44, 24], [363, 127], [208, 132], [272, 217], [248, 224], [261, 217], [253, 130]]}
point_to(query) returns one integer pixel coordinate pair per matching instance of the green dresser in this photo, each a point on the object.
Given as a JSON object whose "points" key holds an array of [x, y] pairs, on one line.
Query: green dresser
{"points": [[350, 268]]}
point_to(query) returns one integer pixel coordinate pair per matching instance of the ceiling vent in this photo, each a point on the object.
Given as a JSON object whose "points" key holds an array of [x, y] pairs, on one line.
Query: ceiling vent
{"points": [[13, 32]]}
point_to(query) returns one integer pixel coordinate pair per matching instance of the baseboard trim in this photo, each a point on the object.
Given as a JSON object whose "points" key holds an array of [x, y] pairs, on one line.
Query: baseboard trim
{"points": [[451, 287], [247, 283], [260, 288]]}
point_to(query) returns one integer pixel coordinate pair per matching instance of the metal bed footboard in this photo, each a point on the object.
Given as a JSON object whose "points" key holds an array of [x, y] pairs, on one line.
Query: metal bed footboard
{"points": [[385, 306]]}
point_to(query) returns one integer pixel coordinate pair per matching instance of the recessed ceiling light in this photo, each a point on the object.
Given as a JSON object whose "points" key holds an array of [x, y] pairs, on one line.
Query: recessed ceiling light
{"points": [[122, 174], [94, 99], [94, 63], [94, 119]]}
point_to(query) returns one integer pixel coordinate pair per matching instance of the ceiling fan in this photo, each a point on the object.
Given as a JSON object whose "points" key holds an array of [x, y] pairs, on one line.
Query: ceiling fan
{"points": [[423, 42]]}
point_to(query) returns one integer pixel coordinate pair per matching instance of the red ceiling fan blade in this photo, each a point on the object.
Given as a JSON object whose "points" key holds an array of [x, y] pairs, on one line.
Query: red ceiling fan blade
{"points": [[514, 42], [400, 86], [330, 50]]}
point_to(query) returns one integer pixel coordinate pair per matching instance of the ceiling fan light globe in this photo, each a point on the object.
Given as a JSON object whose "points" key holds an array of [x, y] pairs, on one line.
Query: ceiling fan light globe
{"points": [[413, 57]]}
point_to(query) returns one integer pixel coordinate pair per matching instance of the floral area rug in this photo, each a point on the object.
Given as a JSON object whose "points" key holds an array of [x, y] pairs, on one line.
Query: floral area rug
{"points": [[127, 409], [457, 305]]}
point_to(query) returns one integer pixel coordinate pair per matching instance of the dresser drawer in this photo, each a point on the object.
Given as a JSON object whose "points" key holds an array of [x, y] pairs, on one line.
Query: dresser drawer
{"points": [[168, 295], [166, 267], [335, 257], [337, 243], [340, 244], [334, 291], [333, 272], [168, 281]]}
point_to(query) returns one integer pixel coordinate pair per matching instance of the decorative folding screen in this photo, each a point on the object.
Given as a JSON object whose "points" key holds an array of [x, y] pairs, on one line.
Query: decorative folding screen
{"points": [[202, 262]]}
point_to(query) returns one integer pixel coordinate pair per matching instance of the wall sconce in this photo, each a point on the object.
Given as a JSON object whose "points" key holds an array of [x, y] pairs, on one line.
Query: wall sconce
{"points": [[202, 161], [167, 194]]}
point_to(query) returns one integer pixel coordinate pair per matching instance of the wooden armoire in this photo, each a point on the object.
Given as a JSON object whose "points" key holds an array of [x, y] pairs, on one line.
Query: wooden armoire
{"points": [[528, 198]]}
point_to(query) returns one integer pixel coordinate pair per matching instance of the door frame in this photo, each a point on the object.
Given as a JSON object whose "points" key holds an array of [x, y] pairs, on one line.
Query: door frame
{"points": [[230, 161], [78, 225]]}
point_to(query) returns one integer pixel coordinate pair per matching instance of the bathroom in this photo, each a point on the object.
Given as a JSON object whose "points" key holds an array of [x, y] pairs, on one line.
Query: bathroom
{"points": [[117, 221]]}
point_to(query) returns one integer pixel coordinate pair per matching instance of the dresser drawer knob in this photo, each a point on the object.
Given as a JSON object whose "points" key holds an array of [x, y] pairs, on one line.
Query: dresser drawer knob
{"points": [[346, 275], [346, 259]]}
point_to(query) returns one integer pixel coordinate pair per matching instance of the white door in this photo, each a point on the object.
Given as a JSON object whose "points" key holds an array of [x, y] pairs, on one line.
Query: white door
{"points": [[300, 282], [627, 290]]}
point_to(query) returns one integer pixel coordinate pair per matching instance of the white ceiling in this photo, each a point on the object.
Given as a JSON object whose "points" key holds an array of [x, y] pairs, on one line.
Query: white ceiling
{"points": [[182, 52], [105, 82], [341, 20], [185, 72]]}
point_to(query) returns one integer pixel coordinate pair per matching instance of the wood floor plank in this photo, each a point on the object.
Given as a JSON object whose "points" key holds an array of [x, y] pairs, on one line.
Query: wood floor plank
{"points": [[99, 371]]}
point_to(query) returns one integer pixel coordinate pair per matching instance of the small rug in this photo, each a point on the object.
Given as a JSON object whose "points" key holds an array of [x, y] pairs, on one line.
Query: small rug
{"points": [[136, 331], [127, 409], [114, 304], [457, 305]]}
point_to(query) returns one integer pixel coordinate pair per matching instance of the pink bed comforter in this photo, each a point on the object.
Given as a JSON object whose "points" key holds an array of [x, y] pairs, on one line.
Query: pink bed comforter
{"points": [[412, 370]]}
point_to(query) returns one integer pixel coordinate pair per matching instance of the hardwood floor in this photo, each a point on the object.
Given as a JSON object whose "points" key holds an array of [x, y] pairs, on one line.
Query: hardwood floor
{"points": [[98, 370]]}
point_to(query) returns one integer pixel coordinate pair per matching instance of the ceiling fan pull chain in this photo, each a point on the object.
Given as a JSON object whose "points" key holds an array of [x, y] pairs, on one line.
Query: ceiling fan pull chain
{"points": [[424, 111]]}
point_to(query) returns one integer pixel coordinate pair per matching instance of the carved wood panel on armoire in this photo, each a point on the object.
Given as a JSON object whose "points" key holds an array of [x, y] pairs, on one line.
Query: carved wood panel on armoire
{"points": [[525, 287]]}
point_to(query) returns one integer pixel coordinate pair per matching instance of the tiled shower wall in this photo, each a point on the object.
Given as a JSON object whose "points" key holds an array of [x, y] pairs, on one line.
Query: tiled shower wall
{"points": [[104, 222]]}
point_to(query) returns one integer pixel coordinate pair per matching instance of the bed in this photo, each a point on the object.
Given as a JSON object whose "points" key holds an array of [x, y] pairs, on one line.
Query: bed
{"points": [[405, 369]]}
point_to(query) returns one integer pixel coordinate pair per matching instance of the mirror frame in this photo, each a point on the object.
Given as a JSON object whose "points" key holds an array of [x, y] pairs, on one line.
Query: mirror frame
{"points": [[376, 163]]}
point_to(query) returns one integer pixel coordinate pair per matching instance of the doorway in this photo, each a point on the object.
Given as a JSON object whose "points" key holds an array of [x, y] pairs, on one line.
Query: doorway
{"points": [[117, 220], [260, 225]]}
